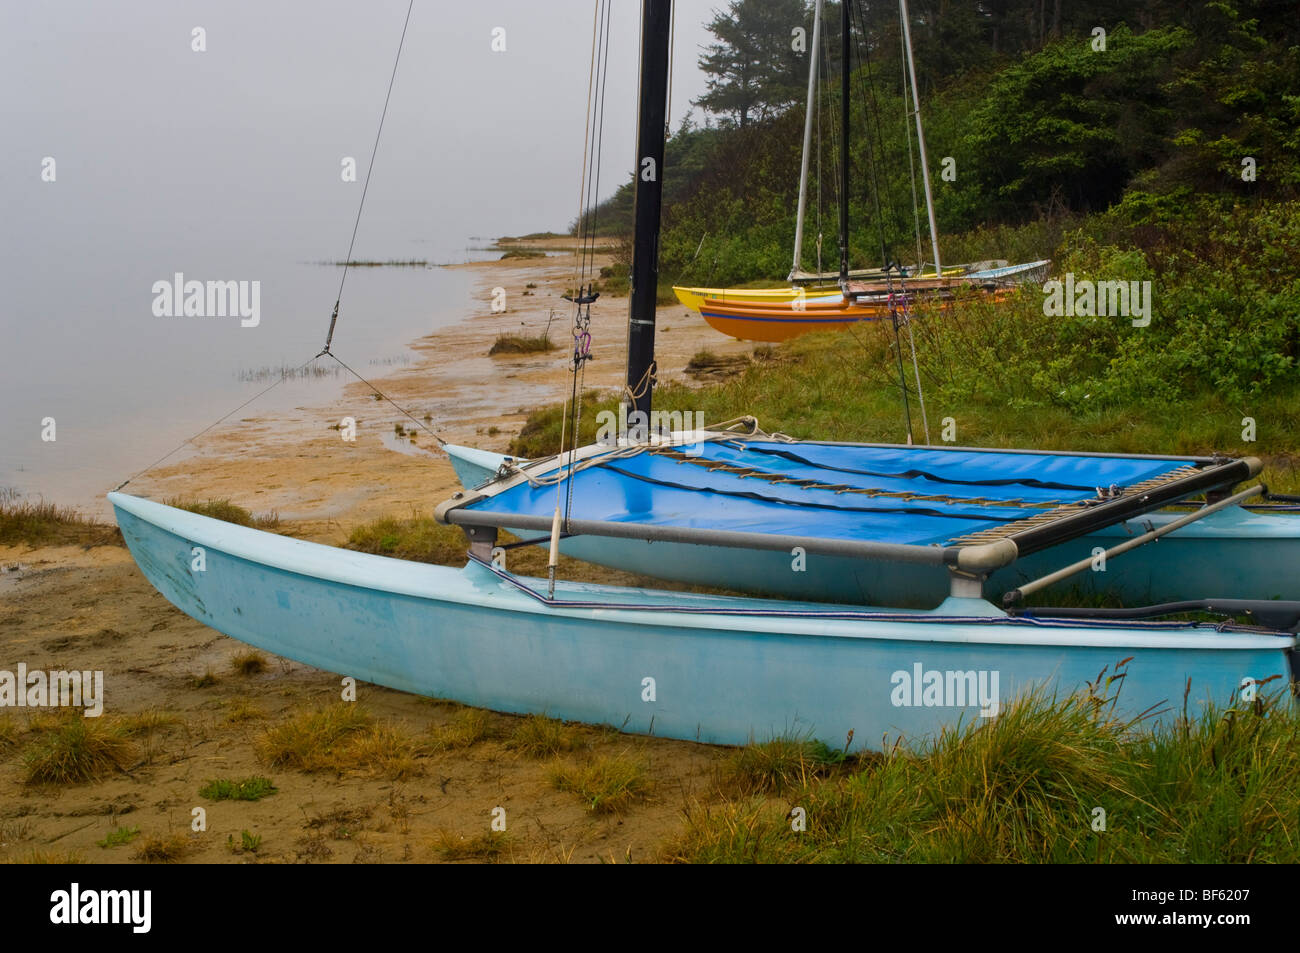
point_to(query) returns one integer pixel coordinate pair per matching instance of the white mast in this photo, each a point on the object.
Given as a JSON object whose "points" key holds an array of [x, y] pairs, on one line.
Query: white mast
{"points": [[807, 133], [920, 136]]}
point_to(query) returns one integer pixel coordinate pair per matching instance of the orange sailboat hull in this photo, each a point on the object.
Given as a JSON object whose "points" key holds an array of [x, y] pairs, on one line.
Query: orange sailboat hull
{"points": [[773, 324]]}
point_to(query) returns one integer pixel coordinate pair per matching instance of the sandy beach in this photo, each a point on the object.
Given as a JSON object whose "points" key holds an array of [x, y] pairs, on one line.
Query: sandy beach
{"points": [[69, 607]]}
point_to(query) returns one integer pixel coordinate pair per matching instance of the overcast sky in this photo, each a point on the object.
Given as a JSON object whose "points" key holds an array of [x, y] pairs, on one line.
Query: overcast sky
{"points": [[246, 139]]}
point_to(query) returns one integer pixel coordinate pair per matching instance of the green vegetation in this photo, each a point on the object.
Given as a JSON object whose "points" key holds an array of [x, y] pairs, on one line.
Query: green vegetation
{"points": [[247, 789], [227, 511], [538, 736], [71, 749], [522, 251], [38, 523], [1047, 781], [1039, 125], [607, 785], [467, 728], [522, 344], [420, 538], [248, 843], [120, 837], [530, 237], [781, 764], [342, 738]]}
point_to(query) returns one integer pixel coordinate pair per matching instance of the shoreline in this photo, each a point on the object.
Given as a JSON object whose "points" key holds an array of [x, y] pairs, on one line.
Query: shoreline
{"points": [[191, 715], [469, 397]]}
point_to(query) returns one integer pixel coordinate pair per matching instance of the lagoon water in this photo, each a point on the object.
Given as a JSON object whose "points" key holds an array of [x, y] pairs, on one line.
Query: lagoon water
{"points": [[123, 386]]}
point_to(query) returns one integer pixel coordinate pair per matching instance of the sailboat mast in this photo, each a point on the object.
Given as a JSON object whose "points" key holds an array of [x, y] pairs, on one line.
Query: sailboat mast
{"points": [[656, 32], [844, 141], [807, 134], [920, 135]]}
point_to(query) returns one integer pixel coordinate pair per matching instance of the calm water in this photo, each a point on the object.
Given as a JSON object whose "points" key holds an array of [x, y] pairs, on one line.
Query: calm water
{"points": [[81, 345]]}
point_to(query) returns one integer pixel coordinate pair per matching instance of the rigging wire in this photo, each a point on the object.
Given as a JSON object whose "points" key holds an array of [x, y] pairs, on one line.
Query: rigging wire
{"points": [[347, 262], [283, 377], [583, 292], [329, 337]]}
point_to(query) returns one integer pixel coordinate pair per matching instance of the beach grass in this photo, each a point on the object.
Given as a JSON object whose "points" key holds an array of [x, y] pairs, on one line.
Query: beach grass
{"points": [[1047, 781], [522, 344], [538, 737], [488, 847], [225, 510], [838, 386], [240, 710], [607, 785], [342, 738], [206, 680], [248, 663], [41, 523], [467, 728], [784, 763], [163, 848], [73, 749], [419, 538]]}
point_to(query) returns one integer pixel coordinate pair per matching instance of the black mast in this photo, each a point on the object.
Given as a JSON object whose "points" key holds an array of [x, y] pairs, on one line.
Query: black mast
{"points": [[656, 26], [844, 141]]}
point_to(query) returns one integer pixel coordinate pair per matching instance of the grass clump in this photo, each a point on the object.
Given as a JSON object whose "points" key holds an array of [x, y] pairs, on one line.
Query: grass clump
{"points": [[538, 737], [162, 848], [522, 344], [420, 538], [521, 251], [59, 857], [146, 722], [120, 837], [485, 847], [782, 764], [226, 511], [9, 731], [248, 843], [248, 663], [38, 523], [73, 749], [247, 789], [467, 728], [607, 785], [242, 709], [341, 738], [1031, 786], [206, 680]]}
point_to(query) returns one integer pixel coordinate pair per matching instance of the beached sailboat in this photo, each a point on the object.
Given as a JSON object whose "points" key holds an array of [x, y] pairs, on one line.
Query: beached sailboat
{"points": [[775, 315], [731, 669]]}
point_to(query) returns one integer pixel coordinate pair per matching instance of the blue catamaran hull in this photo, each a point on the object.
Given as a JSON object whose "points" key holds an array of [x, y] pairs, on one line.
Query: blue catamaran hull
{"points": [[689, 666]]}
